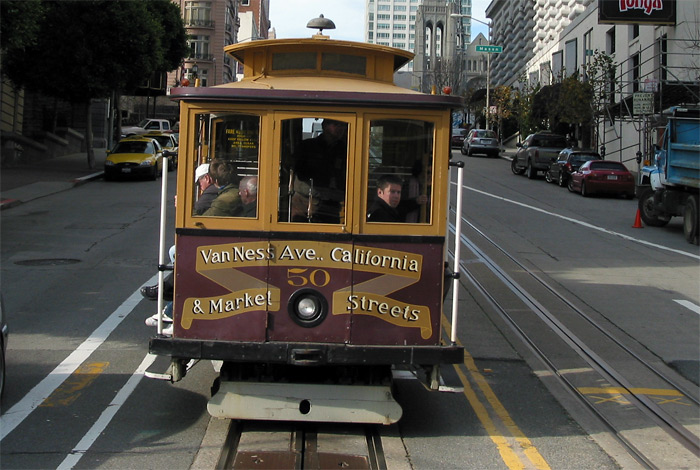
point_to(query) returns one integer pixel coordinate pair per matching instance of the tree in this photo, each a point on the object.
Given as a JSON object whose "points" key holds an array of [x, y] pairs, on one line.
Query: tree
{"points": [[86, 50], [502, 99], [523, 103], [20, 24], [601, 74]]}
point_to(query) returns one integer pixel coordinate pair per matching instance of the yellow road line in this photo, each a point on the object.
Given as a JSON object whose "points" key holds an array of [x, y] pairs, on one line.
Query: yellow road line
{"points": [[508, 455], [70, 390], [636, 391]]}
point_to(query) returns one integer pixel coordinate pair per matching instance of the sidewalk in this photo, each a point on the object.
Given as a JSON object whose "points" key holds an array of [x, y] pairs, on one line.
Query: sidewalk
{"points": [[29, 181]]}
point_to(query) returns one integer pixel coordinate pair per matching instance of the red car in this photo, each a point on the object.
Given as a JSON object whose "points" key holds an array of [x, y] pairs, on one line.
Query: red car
{"points": [[602, 176]]}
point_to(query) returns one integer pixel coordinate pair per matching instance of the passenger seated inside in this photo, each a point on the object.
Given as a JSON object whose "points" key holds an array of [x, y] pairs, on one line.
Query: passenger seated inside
{"points": [[248, 191], [227, 202], [207, 189], [319, 168], [388, 206]]}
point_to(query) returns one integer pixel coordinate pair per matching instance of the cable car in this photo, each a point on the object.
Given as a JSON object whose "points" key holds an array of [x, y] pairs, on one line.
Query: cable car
{"points": [[304, 277]]}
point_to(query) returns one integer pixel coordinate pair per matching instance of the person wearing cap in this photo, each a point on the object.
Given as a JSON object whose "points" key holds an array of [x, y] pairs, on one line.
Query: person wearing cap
{"points": [[207, 190]]}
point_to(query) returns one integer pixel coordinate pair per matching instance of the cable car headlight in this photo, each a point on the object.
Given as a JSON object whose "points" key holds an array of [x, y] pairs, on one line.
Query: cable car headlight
{"points": [[307, 307]]}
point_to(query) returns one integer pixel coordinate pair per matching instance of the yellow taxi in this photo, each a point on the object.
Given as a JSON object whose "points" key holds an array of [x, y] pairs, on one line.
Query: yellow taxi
{"points": [[134, 156], [169, 143]]}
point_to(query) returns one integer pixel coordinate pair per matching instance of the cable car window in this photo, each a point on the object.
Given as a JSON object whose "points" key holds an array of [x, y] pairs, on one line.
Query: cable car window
{"points": [[226, 168], [400, 171], [354, 64], [294, 61], [313, 170]]}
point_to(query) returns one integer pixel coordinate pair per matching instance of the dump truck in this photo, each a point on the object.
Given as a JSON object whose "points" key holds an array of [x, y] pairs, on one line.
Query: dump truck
{"points": [[670, 187]]}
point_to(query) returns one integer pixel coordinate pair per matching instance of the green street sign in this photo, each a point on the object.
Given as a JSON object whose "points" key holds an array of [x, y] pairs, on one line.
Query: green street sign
{"points": [[490, 49]]}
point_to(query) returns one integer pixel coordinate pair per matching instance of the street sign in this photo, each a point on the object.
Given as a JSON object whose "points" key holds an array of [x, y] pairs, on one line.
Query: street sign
{"points": [[490, 49], [642, 103]]}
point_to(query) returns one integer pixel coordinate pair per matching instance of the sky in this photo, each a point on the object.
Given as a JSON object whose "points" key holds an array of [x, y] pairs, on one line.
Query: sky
{"points": [[289, 18]]}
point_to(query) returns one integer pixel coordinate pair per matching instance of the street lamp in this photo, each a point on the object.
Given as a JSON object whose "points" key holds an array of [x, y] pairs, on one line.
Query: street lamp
{"points": [[488, 63]]}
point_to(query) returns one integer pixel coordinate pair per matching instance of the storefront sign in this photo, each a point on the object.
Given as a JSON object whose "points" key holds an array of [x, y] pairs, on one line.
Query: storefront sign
{"points": [[637, 11]]}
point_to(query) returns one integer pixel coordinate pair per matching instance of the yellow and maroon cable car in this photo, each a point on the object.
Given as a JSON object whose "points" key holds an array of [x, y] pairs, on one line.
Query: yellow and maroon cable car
{"points": [[306, 283]]}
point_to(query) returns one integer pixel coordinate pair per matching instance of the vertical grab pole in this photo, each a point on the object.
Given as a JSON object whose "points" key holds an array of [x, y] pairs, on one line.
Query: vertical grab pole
{"points": [[161, 241], [457, 254]]}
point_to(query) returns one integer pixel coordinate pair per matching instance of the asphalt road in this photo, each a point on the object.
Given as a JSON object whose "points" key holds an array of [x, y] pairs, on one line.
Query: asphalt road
{"points": [[72, 264]]}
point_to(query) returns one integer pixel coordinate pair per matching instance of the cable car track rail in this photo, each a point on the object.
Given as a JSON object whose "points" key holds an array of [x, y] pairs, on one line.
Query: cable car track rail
{"points": [[651, 410], [301, 446]]}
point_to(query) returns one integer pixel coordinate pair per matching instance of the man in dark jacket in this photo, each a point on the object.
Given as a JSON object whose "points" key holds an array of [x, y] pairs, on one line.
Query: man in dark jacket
{"points": [[388, 207]]}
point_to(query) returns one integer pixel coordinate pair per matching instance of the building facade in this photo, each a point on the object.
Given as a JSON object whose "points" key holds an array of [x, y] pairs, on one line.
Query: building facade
{"points": [[211, 25], [525, 29], [651, 57]]}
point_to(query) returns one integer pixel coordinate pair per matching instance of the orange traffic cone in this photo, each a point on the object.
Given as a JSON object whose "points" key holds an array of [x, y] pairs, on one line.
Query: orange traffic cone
{"points": [[638, 221]]}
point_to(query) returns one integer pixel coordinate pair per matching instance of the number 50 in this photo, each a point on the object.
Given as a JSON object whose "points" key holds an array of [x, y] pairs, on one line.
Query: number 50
{"points": [[298, 277]]}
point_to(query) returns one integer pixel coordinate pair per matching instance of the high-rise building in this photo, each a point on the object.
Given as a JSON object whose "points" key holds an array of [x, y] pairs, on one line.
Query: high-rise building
{"points": [[393, 23], [525, 29]]}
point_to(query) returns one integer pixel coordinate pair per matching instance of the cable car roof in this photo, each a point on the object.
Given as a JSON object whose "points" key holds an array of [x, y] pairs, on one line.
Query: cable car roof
{"points": [[318, 70]]}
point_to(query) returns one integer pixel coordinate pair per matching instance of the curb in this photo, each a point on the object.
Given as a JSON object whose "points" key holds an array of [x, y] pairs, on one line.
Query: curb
{"points": [[87, 178], [13, 202], [9, 203]]}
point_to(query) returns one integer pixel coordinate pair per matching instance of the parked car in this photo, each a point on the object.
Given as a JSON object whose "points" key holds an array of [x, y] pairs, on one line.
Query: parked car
{"points": [[569, 161], [146, 125], [169, 144], [537, 152], [458, 136], [602, 176], [134, 156], [481, 141]]}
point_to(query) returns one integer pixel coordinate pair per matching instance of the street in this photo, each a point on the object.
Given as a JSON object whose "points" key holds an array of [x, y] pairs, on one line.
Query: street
{"points": [[73, 263]]}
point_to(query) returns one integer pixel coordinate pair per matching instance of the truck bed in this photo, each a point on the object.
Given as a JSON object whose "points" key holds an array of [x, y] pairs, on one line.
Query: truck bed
{"points": [[683, 157]]}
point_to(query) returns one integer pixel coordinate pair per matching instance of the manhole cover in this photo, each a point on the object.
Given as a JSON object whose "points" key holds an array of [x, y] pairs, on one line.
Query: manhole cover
{"points": [[47, 262]]}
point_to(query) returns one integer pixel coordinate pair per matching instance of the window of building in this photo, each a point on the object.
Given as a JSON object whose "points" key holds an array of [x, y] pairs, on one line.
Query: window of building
{"points": [[399, 26], [399, 7], [383, 26], [198, 14], [610, 41], [383, 7], [634, 31], [383, 17], [245, 3], [199, 47], [399, 45], [399, 17], [545, 73], [571, 57], [383, 35], [557, 65], [635, 72], [399, 35]]}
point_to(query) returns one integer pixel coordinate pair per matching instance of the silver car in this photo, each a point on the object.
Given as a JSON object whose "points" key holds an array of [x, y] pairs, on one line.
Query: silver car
{"points": [[481, 141]]}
